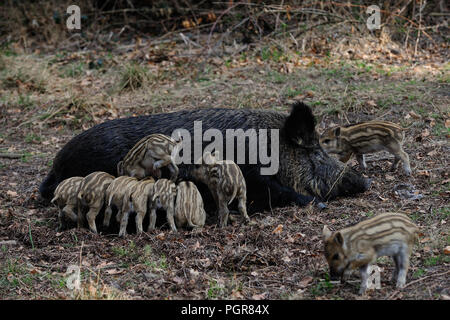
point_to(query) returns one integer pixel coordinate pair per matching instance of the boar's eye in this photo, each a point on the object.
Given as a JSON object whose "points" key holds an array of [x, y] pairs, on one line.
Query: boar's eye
{"points": [[335, 257], [326, 141]]}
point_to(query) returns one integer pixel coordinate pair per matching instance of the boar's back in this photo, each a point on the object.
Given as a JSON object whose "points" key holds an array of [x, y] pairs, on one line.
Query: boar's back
{"points": [[102, 146]]}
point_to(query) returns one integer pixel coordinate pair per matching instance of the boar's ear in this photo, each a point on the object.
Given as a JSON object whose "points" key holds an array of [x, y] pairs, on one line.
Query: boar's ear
{"points": [[300, 124], [326, 232], [338, 238], [120, 168], [337, 132]]}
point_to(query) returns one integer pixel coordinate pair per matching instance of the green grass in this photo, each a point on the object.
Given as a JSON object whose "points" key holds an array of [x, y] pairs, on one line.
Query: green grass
{"points": [[276, 77], [133, 76], [214, 290], [419, 273], [322, 287], [73, 70], [26, 157], [32, 137], [435, 260]]}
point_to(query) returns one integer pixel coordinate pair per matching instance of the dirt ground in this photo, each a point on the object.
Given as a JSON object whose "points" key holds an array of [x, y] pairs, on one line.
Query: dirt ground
{"points": [[46, 99]]}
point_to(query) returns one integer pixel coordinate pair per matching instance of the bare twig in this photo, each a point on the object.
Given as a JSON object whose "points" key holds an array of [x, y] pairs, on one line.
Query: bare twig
{"points": [[11, 155], [418, 280]]}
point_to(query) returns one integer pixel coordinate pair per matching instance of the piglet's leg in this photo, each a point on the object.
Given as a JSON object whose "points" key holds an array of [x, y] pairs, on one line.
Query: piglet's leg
{"points": [[107, 217], [151, 225], [124, 224], [364, 278], [170, 213], [403, 265], [361, 161], [62, 223], [69, 213], [399, 154], [396, 259], [80, 217], [242, 207], [140, 214], [91, 215]]}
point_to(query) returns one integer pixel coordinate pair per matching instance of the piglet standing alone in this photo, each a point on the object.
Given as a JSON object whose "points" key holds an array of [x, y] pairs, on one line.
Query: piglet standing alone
{"points": [[367, 137], [388, 234]]}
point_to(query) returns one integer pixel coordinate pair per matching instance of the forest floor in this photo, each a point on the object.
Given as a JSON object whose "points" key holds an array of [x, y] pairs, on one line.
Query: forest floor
{"points": [[46, 99]]}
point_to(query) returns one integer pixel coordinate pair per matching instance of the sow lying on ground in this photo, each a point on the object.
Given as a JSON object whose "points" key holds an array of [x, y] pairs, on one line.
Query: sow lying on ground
{"points": [[306, 172]]}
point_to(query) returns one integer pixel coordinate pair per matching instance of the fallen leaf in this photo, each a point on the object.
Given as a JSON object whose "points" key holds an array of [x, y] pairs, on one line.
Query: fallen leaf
{"points": [[371, 103], [161, 236], [235, 294], [414, 115], [447, 123], [11, 193], [424, 240], [193, 272], [259, 296], [178, 280], [114, 271], [305, 281], [278, 229], [425, 133], [196, 246], [447, 250], [424, 173], [92, 289]]}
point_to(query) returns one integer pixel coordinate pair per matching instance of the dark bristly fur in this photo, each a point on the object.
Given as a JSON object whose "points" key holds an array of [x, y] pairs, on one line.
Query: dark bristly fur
{"points": [[305, 168]]}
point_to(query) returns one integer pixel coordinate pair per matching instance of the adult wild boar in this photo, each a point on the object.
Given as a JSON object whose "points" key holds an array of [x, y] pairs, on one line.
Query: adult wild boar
{"points": [[305, 171]]}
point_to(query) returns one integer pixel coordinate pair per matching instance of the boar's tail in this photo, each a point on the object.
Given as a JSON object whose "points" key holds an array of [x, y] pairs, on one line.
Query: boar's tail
{"points": [[48, 186]]}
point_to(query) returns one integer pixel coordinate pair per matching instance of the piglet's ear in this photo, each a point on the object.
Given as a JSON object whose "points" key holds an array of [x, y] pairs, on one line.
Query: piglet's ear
{"points": [[337, 132], [339, 239], [326, 232], [208, 158], [300, 125]]}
